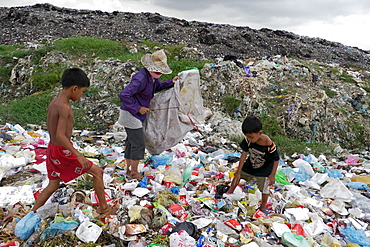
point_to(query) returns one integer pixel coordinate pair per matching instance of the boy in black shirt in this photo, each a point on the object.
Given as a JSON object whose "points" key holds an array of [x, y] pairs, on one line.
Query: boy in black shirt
{"points": [[259, 159]]}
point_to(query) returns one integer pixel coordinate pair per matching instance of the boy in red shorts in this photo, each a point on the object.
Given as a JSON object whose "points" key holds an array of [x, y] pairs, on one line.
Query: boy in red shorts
{"points": [[64, 162]]}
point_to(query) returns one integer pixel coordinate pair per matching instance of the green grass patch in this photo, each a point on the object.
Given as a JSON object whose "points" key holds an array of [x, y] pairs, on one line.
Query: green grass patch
{"points": [[346, 77], [7, 51], [45, 81], [11, 51], [46, 78], [330, 93], [5, 72], [27, 110], [290, 146], [270, 125], [90, 47], [230, 104]]}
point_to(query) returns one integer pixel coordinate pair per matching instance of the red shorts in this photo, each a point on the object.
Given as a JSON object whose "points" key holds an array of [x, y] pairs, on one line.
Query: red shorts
{"points": [[61, 163]]}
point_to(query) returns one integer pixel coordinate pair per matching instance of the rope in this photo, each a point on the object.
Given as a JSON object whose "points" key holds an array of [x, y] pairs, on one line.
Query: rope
{"points": [[192, 122]]}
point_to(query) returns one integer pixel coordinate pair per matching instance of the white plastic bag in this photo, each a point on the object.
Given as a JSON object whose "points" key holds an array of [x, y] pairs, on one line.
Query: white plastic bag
{"points": [[88, 231], [130, 185], [181, 238], [307, 166], [173, 174], [335, 189]]}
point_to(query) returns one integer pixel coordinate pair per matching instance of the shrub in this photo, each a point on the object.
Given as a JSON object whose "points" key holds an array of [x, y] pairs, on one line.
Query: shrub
{"points": [[230, 104]]}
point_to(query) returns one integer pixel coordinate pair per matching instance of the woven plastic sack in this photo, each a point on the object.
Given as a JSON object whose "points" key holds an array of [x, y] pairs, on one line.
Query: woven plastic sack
{"points": [[175, 112]]}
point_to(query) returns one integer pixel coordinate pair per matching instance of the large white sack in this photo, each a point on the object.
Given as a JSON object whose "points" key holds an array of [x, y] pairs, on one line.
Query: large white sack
{"points": [[176, 111]]}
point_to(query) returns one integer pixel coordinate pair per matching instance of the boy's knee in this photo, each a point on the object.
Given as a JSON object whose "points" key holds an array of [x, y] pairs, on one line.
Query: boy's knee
{"points": [[98, 172]]}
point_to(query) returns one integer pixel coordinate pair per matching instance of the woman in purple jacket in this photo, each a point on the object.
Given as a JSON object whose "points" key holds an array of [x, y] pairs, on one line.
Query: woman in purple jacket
{"points": [[135, 100]]}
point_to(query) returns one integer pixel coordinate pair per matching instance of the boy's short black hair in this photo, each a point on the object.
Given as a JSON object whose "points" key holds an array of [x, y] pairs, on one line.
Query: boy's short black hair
{"points": [[75, 77], [251, 125]]}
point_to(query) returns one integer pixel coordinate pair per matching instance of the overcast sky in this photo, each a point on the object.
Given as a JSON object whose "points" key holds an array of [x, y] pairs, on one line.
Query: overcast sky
{"points": [[344, 21]]}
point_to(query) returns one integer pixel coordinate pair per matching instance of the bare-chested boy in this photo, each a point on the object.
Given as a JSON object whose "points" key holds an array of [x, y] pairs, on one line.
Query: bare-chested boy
{"points": [[64, 162]]}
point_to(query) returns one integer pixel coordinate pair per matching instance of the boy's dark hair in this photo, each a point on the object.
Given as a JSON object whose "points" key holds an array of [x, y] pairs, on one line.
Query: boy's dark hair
{"points": [[251, 125], [75, 77]]}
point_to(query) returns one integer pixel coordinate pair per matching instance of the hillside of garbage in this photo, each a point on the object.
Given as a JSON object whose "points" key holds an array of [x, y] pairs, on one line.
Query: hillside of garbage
{"points": [[27, 23], [310, 100]]}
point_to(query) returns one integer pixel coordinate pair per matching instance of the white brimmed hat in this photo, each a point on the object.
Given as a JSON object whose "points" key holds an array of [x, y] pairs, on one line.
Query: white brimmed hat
{"points": [[156, 62]]}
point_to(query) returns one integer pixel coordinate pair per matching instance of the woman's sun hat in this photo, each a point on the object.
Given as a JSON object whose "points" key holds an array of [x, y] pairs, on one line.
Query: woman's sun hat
{"points": [[156, 62]]}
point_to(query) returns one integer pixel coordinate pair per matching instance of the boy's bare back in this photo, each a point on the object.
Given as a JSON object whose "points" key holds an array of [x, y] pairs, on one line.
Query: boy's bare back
{"points": [[59, 120]]}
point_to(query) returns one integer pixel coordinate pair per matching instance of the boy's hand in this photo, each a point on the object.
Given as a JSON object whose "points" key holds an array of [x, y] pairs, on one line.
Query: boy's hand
{"points": [[83, 161], [272, 179], [234, 182]]}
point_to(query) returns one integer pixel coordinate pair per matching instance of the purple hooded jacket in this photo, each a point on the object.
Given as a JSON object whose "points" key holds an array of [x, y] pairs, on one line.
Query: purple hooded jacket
{"points": [[140, 91]]}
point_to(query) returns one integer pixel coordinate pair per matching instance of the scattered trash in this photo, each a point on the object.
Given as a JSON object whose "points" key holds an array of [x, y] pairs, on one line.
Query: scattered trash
{"points": [[183, 200]]}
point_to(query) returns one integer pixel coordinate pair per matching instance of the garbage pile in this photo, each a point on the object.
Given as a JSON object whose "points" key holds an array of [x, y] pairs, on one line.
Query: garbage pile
{"points": [[214, 40], [311, 101], [182, 199]]}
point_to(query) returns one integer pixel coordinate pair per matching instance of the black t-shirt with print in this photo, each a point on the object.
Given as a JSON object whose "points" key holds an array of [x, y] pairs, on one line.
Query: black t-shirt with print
{"points": [[260, 159]]}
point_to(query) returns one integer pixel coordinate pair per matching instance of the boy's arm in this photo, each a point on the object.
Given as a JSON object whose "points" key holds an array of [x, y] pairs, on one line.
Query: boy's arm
{"points": [[236, 178], [62, 138], [273, 172]]}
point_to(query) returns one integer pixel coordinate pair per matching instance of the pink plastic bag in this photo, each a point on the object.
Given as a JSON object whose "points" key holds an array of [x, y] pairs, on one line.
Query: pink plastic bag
{"points": [[352, 159]]}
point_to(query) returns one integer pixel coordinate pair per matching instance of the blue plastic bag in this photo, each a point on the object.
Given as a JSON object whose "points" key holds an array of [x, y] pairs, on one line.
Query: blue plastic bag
{"points": [[301, 175], [27, 225], [144, 182], [175, 190], [356, 236], [358, 186], [57, 229], [334, 173], [162, 159]]}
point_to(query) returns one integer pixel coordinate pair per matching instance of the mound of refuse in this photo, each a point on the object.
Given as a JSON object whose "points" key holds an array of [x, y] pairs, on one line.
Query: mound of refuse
{"points": [[182, 199]]}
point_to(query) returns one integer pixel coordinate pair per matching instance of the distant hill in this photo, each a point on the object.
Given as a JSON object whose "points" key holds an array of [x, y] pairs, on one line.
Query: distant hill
{"points": [[20, 24]]}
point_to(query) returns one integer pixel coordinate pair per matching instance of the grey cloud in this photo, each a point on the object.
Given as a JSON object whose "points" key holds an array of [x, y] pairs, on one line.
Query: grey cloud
{"points": [[271, 13]]}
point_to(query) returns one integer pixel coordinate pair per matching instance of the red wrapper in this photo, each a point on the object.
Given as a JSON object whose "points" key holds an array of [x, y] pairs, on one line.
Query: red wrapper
{"points": [[183, 200], [233, 223], [179, 212], [183, 217], [37, 193], [212, 188], [298, 229], [259, 214], [195, 172], [165, 228], [169, 184], [176, 209]]}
